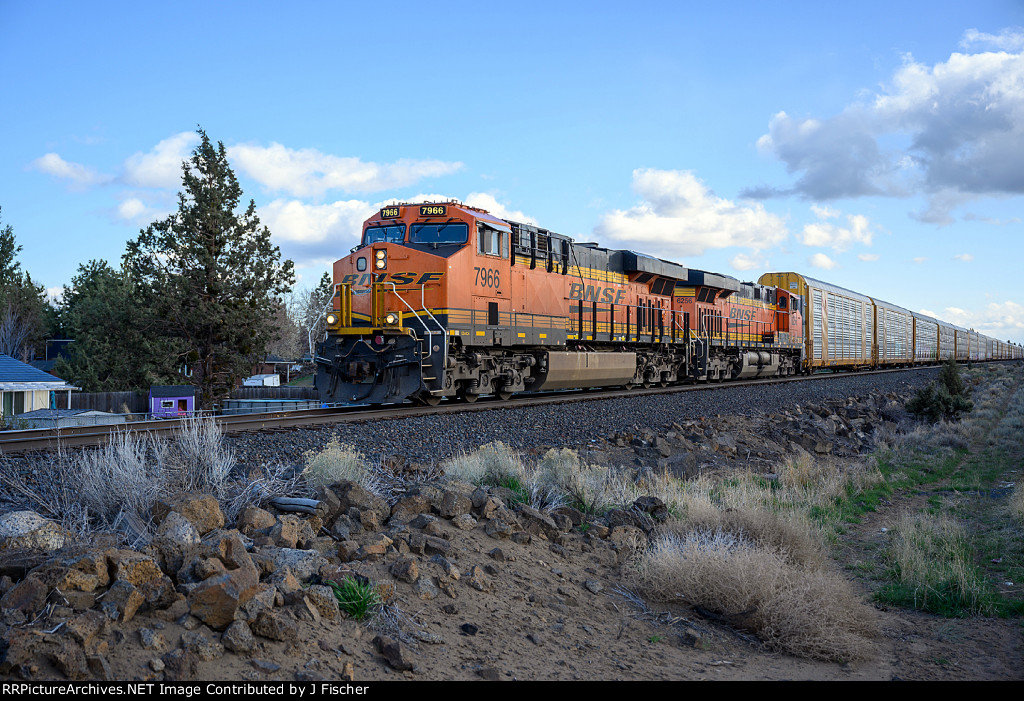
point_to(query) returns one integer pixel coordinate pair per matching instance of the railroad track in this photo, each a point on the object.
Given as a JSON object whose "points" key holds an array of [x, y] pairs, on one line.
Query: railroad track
{"points": [[43, 440]]}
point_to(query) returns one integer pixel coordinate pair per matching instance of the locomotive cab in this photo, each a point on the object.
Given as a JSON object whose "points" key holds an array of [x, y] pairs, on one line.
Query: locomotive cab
{"points": [[398, 294]]}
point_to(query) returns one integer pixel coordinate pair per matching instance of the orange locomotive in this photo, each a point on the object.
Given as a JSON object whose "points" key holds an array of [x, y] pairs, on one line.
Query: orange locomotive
{"points": [[445, 300]]}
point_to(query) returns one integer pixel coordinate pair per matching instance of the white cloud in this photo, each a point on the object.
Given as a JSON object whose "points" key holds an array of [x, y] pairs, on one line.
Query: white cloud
{"points": [[920, 259], [131, 208], [160, 167], [487, 201], [965, 257], [1007, 40], [961, 120], [341, 222], [1002, 320], [308, 172], [820, 260], [838, 238], [680, 217], [868, 257], [136, 210], [742, 261], [55, 294], [78, 174]]}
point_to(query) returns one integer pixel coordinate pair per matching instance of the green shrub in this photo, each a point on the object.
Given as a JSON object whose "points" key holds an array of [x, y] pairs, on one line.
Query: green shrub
{"points": [[357, 597], [946, 399]]}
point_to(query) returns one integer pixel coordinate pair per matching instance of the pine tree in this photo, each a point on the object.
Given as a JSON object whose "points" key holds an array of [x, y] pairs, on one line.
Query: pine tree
{"points": [[26, 315], [112, 352], [212, 275]]}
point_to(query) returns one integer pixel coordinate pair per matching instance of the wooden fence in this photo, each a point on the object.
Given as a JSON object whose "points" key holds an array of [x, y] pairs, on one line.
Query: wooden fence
{"points": [[114, 402]]}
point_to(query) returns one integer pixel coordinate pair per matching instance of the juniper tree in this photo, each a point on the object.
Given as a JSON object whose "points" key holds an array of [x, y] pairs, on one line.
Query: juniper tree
{"points": [[212, 275], [114, 351], [26, 316]]}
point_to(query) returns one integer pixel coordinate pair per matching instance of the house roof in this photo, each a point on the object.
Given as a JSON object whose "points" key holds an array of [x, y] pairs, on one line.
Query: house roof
{"points": [[172, 391], [16, 376], [276, 360]]}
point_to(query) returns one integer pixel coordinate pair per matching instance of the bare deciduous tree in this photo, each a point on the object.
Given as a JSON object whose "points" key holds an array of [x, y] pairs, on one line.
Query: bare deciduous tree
{"points": [[14, 334]]}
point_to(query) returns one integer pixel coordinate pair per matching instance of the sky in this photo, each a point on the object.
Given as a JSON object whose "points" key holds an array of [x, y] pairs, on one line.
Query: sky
{"points": [[878, 146]]}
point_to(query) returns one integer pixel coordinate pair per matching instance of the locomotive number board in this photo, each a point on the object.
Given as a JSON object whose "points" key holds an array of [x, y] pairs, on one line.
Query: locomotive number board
{"points": [[433, 210], [390, 212]]}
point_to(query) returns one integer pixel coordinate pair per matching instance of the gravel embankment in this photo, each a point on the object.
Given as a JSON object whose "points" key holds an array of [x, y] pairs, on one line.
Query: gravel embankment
{"points": [[430, 439]]}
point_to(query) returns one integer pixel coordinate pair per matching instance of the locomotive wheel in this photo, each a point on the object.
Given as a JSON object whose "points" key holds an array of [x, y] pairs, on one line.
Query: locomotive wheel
{"points": [[504, 396], [467, 397], [426, 399], [628, 386]]}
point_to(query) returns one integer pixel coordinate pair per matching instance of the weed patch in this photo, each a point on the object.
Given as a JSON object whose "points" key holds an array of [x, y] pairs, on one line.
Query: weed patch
{"points": [[931, 563], [804, 611], [357, 597]]}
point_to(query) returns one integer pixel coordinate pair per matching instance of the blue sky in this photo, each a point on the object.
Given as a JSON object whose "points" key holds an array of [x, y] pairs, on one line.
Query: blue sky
{"points": [[875, 145]]}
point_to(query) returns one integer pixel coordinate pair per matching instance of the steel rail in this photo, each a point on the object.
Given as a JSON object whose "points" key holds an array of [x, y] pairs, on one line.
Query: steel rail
{"points": [[47, 439]]}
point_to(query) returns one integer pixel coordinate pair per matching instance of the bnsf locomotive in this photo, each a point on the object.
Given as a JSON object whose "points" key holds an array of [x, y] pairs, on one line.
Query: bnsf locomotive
{"points": [[445, 300]]}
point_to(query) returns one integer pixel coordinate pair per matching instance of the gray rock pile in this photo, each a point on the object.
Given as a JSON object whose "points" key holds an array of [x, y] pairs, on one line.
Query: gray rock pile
{"points": [[233, 587], [837, 427]]}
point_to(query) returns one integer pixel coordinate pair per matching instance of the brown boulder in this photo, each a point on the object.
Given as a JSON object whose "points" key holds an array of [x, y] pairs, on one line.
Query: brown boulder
{"points": [[201, 510], [215, 601]]}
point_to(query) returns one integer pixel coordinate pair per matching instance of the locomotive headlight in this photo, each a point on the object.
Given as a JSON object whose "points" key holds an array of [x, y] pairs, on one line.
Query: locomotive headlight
{"points": [[391, 319], [332, 319], [380, 259]]}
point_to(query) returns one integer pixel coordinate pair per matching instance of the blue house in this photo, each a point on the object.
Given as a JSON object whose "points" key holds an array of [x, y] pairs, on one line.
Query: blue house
{"points": [[171, 401]]}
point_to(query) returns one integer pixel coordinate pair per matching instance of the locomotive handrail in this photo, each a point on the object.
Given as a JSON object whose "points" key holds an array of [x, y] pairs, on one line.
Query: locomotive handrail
{"points": [[441, 330], [423, 300]]}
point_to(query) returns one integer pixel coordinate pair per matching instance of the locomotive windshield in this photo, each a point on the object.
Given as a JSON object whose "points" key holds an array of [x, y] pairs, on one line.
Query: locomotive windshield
{"points": [[387, 234], [453, 232]]}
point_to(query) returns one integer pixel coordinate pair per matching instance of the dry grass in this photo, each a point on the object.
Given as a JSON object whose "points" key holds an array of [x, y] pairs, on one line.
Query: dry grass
{"points": [[113, 488], [120, 482], [790, 535], [334, 463], [339, 462], [592, 489], [491, 464], [747, 547], [498, 465], [197, 460], [801, 610], [932, 563], [1017, 503]]}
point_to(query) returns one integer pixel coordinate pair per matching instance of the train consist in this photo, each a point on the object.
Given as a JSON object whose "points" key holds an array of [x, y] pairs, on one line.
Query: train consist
{"points": [[445, 300]]}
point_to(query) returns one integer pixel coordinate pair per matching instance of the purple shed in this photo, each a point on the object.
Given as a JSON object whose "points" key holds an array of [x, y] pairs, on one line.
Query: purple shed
{"points": [[171, 401]]}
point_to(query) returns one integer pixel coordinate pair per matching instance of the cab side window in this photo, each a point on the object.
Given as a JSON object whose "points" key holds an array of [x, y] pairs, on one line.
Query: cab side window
{"points": [[492, 242]]}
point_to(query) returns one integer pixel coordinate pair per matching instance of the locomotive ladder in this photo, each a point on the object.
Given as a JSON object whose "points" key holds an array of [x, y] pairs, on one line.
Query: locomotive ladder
{"points": [[425, 363]]}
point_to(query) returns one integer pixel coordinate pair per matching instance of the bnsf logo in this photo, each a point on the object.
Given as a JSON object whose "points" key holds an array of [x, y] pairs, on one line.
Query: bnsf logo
{"points": [[743, 314], [364, 280]]}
